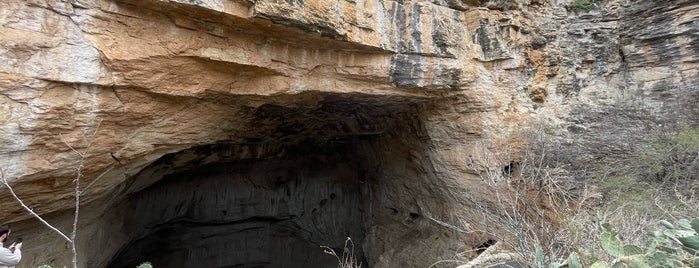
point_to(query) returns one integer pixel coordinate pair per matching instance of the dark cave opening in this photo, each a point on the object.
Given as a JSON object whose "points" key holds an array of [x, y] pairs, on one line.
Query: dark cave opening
{"points": [[300, 181], [268, 212]]}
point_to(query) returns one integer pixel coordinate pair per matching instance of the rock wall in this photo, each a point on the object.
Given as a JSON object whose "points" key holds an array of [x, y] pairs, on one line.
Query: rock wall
{"points": [[414, 88]]}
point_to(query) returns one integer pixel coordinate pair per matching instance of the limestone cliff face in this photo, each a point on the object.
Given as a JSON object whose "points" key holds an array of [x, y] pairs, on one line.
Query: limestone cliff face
{"points": [[367, 111]]}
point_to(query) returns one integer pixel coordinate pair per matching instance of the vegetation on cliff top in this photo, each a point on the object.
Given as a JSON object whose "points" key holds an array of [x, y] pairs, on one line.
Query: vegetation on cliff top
{"points": [[581, 5]]}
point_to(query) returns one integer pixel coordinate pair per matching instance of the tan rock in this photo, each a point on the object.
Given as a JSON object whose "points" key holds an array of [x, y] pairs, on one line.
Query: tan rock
{"points": [[381, 104]]}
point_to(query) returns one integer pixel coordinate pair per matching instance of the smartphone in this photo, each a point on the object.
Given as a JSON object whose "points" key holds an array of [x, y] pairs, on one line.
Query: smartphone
{"points": [[17, 242]]}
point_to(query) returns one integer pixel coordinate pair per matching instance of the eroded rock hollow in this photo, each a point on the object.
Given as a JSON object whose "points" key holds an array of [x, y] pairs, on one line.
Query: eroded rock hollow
{"points": [[272, 211], [344, 168]]}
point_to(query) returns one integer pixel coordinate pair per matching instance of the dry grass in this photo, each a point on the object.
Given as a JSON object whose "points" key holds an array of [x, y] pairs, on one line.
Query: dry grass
{"points": [[347, 259], [527, 201]]}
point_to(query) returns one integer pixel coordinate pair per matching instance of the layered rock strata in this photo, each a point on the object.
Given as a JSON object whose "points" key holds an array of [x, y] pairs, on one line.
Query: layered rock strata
{"points": [[226, 124]]}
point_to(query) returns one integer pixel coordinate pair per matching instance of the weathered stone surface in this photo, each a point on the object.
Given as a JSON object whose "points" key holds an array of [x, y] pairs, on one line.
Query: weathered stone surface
{"points": [[383, 100]]}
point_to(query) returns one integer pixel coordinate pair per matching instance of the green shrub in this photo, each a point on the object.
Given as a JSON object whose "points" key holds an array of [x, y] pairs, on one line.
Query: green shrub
{"points": [[626, 189], [580, 5], [663, 169], [670, 156], [688, 137]]}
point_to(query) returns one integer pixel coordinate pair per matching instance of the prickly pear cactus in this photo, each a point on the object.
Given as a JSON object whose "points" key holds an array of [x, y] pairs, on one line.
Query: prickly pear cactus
{"points": [[671, 247], [145, 265], [688, 238], [631, 255]]}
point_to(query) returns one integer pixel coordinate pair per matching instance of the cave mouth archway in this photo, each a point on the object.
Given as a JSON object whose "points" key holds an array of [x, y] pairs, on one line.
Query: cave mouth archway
{"points": [[248, 213], [266, 203]]}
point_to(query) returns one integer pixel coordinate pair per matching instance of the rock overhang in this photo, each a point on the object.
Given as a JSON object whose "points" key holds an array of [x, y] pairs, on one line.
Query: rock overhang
{"points": [[338, 167], [227, 57]]}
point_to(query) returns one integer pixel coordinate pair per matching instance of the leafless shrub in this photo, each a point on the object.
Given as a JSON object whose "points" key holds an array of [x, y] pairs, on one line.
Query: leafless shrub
{"points": [[69, 237], [525, 200], [347, 259]]}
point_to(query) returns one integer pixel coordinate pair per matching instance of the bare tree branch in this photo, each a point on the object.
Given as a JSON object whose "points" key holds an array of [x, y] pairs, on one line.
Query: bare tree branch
{"points": [[77, 193], [29, 210]]}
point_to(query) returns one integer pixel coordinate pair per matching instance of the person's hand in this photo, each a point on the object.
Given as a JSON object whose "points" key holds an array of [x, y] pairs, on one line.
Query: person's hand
{"points": [[15, 246]]}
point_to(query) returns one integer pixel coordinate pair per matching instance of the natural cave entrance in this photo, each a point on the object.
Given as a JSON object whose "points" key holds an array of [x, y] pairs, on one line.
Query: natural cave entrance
{"points": [[263, 212], [308, 177]]}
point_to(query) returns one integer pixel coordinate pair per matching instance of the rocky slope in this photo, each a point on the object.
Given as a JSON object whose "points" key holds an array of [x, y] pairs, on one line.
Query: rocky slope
{"points": [[272, 127]]}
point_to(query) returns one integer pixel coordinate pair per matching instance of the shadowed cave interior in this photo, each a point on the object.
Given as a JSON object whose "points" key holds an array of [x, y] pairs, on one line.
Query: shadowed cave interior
{"points": [[309, 180], [249, 213]]}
